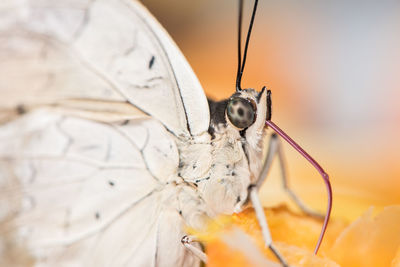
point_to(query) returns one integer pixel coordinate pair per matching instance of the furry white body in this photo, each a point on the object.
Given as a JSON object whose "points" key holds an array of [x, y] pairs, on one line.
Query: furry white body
{"points": [[114, 156]]}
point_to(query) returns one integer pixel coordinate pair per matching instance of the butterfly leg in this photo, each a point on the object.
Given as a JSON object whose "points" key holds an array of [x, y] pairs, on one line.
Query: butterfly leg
{"points": [[275, 149], [187, 242], [262, 220]]}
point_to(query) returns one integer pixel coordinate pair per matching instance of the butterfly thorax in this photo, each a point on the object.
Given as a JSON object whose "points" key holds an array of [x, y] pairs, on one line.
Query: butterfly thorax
{"points": [[220, 165]]}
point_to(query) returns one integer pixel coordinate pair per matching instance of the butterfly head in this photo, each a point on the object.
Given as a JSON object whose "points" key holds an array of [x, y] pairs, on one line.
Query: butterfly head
{"points": [[248, 107]]}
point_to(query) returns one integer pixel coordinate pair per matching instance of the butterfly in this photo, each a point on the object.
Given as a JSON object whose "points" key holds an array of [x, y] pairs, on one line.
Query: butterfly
{"points": [[108, 144]]}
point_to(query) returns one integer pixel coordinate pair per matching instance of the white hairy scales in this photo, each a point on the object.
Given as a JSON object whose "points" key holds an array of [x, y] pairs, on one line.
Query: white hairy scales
{"points": [[105, 154]]}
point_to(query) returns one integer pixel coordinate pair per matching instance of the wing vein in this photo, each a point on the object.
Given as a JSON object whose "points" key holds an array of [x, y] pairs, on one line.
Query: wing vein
{"points": [[141, 150], [150, 29], [70, 241]]}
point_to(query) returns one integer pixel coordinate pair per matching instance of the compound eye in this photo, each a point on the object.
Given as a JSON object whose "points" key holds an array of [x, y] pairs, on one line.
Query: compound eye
{"points": [[241, 113]]}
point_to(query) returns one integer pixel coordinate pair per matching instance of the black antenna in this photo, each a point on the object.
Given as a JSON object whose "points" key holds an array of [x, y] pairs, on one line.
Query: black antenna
{"points": [[238, 88], [240, 63]]}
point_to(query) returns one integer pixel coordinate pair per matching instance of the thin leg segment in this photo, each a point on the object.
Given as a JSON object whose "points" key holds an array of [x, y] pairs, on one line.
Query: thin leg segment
{"points": [[262, 220], [275, 149], [288, 190]]}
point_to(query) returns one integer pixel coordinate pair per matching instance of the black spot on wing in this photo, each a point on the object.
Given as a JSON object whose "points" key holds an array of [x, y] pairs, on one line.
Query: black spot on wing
{"points": [[97, 215], [21, 109], [111, 183], [151, 62], [125, 122], [202, 179]]}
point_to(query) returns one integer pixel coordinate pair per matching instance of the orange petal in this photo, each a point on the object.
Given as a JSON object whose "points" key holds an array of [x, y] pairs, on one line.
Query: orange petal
{"points": [[294, 235], [370, 241]]}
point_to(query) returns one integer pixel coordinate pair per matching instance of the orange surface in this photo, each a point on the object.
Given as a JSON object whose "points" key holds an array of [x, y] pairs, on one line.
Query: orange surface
{"points": [[371, 240]]}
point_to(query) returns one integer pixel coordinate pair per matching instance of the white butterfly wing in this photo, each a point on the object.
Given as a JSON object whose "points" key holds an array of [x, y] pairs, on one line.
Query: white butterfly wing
{"points": [[87, 194], [116, 41], [92, 165]]}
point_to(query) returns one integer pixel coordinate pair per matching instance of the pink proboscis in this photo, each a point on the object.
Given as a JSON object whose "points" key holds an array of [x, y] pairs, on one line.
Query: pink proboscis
{"points": [[324, 175]]}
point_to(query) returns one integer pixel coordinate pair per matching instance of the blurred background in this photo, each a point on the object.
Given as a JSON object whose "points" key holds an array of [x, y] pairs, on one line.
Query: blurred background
{"points": [[334, 71]]}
